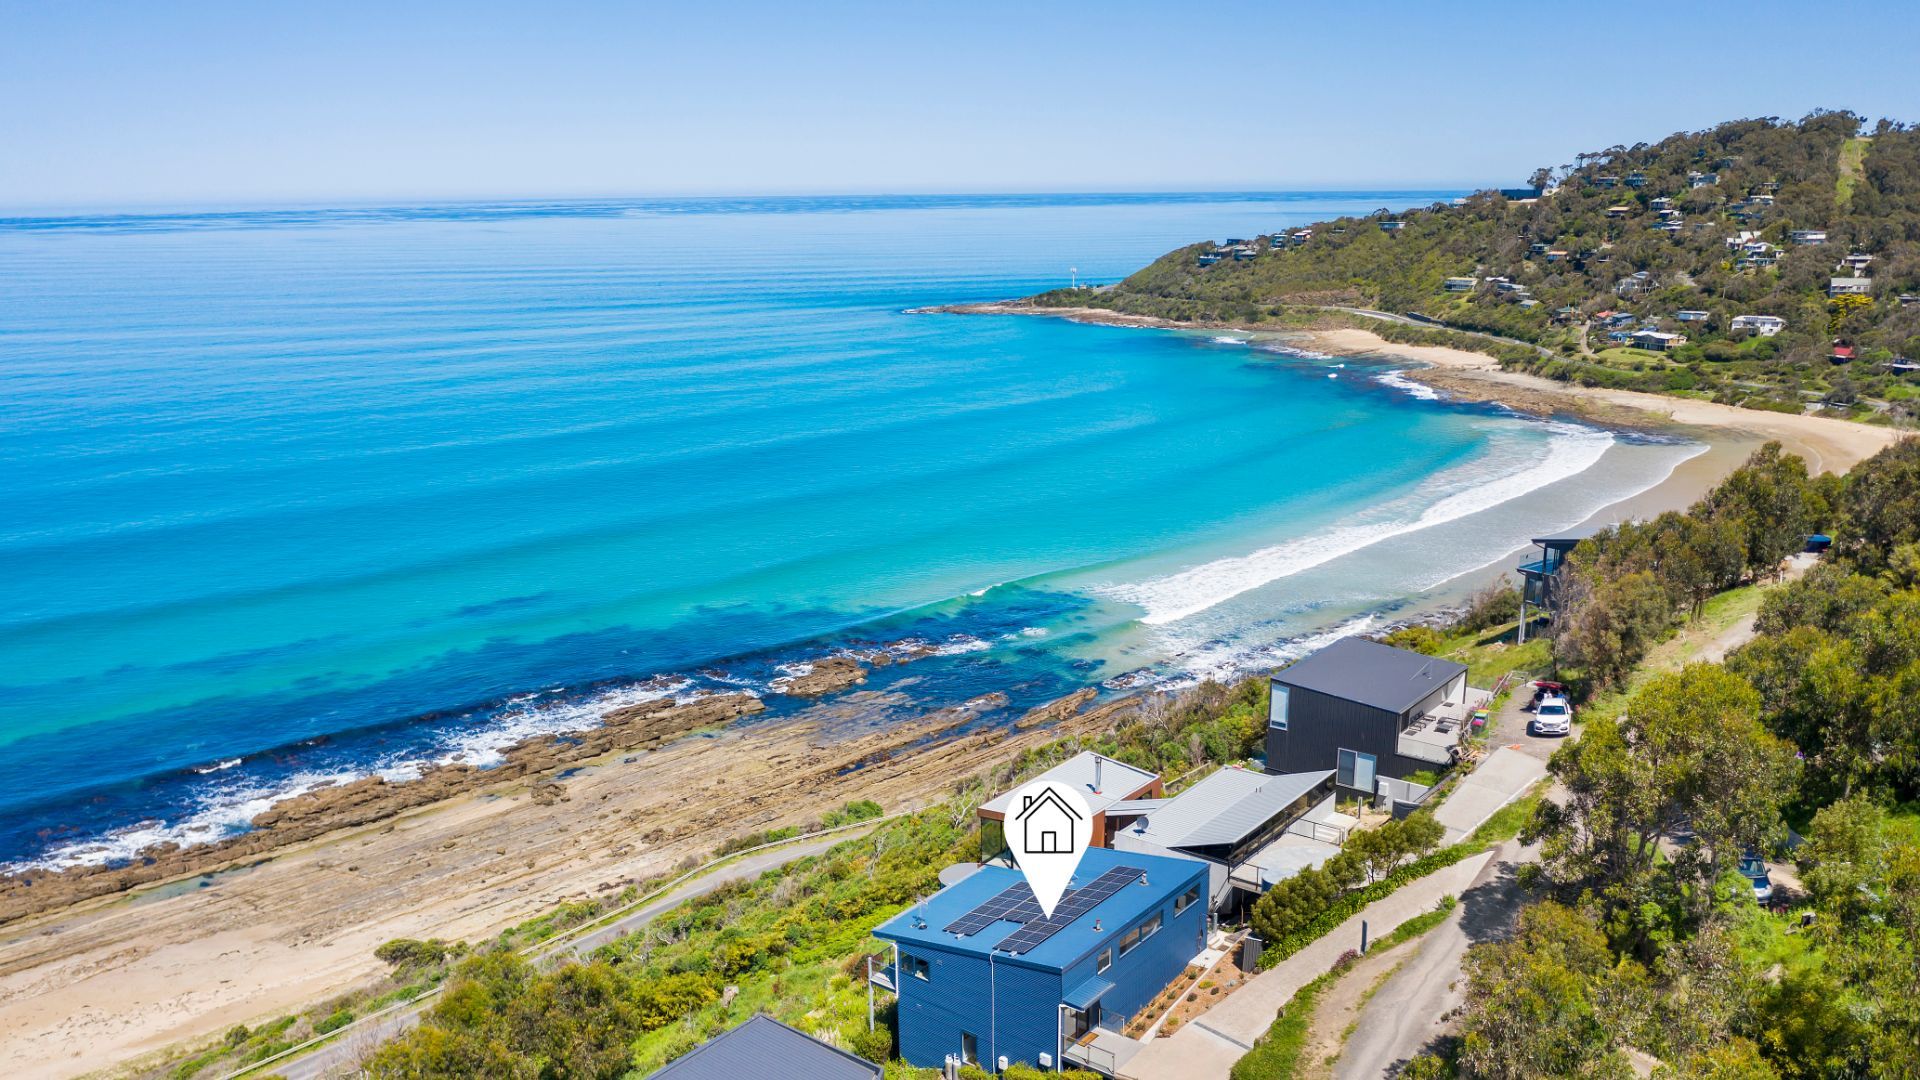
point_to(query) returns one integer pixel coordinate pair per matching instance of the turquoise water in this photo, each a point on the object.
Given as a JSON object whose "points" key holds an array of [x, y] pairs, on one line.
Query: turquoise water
{"points": [[295, 495]]}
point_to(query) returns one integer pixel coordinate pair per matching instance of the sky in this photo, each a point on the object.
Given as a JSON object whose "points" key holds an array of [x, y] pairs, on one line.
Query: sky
{"points": [[126, 105]]}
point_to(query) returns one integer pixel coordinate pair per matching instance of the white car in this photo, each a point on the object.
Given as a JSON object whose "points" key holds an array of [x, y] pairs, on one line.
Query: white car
{"points": [[1553, 716]]}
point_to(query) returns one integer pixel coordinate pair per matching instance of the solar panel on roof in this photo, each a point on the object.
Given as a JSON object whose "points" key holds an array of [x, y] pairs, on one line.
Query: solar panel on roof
{"points": [[1016, 903], [1073, 905]]}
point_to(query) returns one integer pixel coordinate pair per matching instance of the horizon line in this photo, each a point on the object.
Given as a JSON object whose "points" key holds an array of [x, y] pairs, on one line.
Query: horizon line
{"points": [[159, 209]]}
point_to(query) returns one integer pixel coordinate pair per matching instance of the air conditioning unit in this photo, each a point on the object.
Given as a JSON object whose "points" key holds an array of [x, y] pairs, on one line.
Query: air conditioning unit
{"points": [[1046, 1061]]}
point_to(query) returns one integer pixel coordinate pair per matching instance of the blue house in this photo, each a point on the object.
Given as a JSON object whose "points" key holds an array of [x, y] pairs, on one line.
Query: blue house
{"points": [[981, 976]]}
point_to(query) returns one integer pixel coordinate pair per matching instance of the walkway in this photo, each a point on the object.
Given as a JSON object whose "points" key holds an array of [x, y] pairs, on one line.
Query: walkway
{"points": [[1206, 1047], [1408, 1012], [1504, 776]]}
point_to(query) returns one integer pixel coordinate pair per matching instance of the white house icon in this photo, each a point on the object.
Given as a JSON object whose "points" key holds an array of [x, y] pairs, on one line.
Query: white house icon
{"points": [[1048, 822]]}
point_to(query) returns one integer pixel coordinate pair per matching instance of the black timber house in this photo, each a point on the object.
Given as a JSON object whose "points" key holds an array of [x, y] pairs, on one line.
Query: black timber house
{"points": [[1361, 709]]}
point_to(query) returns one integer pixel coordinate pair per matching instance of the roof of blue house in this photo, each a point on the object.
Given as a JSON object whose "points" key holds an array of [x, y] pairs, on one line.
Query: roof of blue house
{"points": [[764, 1046], [925, 923]]}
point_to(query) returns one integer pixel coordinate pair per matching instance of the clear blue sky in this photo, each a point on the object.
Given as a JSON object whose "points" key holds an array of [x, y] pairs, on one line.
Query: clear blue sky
{"points": [[196, 103]]}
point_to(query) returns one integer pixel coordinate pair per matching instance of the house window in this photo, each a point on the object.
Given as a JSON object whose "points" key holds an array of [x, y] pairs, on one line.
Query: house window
{"points": [[915, 967], [969, 1048], [1356, 770], [1139, 934], [1105, 961], [1277, 708], [1186, 900]]}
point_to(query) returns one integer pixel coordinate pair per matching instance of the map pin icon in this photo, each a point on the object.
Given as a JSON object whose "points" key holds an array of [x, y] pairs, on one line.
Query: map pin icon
{"points": [[1049, 827]]}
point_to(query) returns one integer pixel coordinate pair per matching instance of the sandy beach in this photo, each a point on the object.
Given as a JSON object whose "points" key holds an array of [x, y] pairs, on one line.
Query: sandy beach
{"points": [[1828, 444], [104, 981]]}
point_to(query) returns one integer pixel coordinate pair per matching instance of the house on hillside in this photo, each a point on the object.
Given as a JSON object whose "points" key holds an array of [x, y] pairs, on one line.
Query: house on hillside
{"points": [[983, 979], [1660, 205], [1657, 341], [1505, 286], [763, 1046], [1606, 182], [1636, 282], [1098, 779], [1841, 354], [1370, 712], [1619, 211], [1208, 258], [1556, 255], [1763, 325], [1392, 226], [1806, 237], [1540, 579], [1849, 286], [1691, 315], [1760, 199], [1252, 829], [1460, 284], [1700, 179], [1566, 314], [1637, 180], [1857, 263]]}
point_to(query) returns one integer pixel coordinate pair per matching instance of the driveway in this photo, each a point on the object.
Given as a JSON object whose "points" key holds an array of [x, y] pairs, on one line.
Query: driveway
{"points": [[1408, 1014], [1206, 1047]]}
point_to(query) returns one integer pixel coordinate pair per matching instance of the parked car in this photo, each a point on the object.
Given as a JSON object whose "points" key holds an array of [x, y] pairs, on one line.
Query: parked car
{"points": [[1553, 716], [1753, 867]]}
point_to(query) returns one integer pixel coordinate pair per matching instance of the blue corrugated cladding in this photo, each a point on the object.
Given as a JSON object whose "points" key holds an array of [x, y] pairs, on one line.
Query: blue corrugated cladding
{"points": [[1012, 1010]]}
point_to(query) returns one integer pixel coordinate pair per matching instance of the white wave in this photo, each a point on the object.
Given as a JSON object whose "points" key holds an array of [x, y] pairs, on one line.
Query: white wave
{"points": [[1176, 596], [1399, 381], [960, 644], [221, 813], [1225, 340], [218, 766], [1225, 661], [1293, 351], [229, 806]]}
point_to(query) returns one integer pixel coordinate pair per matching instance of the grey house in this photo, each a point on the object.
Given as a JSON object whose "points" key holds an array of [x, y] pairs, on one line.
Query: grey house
{"points": [[764, 1046], [1366, 711]]}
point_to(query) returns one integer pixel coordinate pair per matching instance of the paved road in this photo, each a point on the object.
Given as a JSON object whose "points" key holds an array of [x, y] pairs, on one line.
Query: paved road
{"points": [[342, 1055]]}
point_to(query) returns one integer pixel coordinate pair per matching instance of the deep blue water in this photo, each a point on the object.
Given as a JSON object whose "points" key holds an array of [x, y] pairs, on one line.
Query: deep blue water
{"points": [[292, 495]]}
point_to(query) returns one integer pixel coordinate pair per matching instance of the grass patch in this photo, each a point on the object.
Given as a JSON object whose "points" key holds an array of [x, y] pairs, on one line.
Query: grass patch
{"points": [[1506, 822], [1853, 160]]}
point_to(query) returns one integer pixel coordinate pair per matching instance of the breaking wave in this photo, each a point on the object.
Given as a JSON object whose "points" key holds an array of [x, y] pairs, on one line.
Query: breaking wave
{"points": [[1572, 450]]}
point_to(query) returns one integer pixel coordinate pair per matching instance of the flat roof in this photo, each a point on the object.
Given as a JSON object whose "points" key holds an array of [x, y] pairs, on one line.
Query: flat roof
{"points": [[1375, 675], [1224, 808], [1118, 780], [1166, 877], [764, 1046], [1571, 536]]}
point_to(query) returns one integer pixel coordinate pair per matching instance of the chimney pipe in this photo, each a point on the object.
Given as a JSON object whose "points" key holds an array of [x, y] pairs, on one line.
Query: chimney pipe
{"points": [[1096, 774]]}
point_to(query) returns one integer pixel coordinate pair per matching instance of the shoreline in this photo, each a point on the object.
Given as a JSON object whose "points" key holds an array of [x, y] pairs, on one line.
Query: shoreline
{"points": [[289, 914], [1826, 443]]}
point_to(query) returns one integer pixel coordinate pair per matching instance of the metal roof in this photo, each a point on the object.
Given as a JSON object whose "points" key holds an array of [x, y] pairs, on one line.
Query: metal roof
{"points": [[923, 925], [1224, 808], [1117, 781], [1371, 674], [764, 1046], [1086, 993], [1574, 535]]}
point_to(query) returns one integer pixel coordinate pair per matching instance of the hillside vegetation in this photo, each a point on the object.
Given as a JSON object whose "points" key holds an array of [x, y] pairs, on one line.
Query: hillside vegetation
{"points": [[1623, 240]]}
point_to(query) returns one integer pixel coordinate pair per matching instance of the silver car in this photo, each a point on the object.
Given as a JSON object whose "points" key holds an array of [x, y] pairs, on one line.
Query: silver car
{"points": [[1553, 716]]}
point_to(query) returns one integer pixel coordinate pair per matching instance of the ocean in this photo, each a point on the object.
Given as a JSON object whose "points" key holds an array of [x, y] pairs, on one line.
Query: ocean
{"points": [[299, 495]]}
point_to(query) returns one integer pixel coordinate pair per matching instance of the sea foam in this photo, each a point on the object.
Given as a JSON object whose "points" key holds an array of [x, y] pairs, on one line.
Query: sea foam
{"points": [[1571, 450]]}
